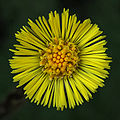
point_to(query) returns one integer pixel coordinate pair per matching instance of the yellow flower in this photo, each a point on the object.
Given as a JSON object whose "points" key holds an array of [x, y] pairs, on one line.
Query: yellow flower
{"points": [[60, 62]]}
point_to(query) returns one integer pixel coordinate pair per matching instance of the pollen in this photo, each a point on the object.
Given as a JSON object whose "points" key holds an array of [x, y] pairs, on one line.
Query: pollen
{"points": [[54, 55], [59, 53], [62, 56], [60, 59], [54, 59], [57, 61]]}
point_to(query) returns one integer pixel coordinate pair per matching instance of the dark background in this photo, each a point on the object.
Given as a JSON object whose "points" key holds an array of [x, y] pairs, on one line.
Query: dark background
{"points": [[105, 104]]}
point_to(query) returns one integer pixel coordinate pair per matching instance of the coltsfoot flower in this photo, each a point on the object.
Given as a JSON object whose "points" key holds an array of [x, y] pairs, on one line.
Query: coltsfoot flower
{"points": [[60, 62]]}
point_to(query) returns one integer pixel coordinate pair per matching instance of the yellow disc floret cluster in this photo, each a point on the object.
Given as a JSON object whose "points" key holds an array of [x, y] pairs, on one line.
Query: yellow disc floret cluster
{"points": [[59, 59]]}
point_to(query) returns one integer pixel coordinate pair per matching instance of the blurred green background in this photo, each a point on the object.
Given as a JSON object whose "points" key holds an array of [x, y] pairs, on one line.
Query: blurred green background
{"points": [[105, 104]]}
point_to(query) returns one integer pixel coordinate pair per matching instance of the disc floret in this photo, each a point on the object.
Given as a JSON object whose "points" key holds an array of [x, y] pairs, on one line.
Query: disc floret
{"points": [[59, 59]]}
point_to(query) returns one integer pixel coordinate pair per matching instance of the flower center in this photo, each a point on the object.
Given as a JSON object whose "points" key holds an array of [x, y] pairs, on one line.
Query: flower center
{"points": [[59, 59]]}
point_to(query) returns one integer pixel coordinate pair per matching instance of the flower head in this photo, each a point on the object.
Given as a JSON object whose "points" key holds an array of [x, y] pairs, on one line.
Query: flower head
{"points": [[60, 62]]}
